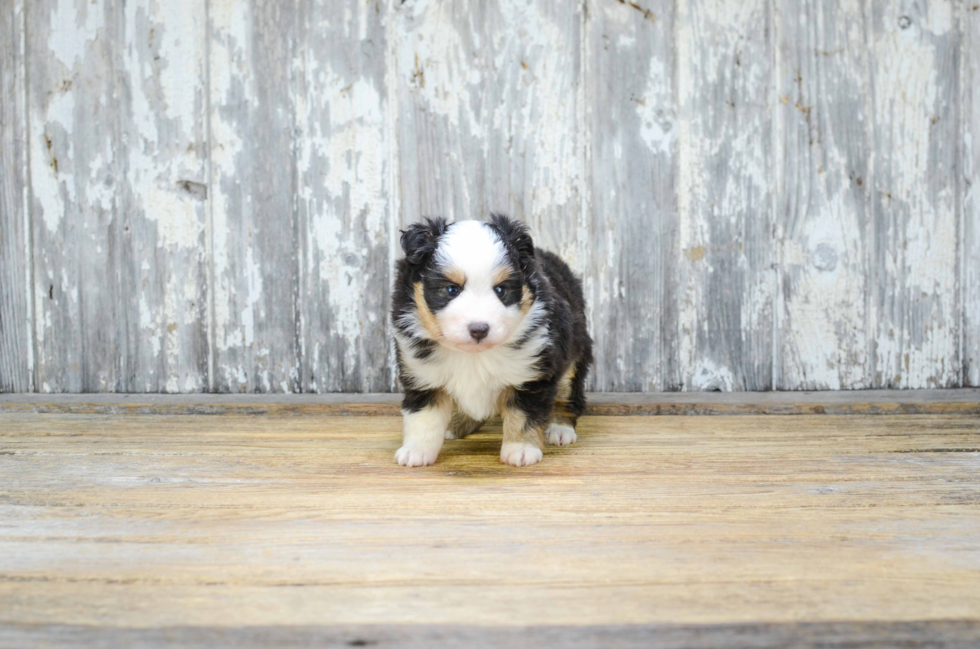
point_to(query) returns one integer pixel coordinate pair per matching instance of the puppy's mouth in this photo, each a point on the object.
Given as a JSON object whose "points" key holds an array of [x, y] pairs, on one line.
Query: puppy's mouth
{"points": [[474, 347]]}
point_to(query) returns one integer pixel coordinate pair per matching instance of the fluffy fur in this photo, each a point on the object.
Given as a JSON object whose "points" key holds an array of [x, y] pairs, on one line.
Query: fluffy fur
{"points": [[486, 324]]}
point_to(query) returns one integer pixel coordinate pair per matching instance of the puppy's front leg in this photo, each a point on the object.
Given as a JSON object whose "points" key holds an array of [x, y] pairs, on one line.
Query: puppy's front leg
{"points": [[524, 415], [425, 416]]}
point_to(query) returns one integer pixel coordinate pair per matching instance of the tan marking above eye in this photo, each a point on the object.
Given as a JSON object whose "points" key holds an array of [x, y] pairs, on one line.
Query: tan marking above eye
{"points": [[501, 275], [456, 276]]}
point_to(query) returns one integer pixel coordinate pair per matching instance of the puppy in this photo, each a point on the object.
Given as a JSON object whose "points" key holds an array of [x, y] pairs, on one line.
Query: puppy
{"points": [[484, 325]]}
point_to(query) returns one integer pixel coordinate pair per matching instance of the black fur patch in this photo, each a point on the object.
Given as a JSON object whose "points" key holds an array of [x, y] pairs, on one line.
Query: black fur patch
{"points": [[415, 400], [434, 287], [516, 239], [420, 240], [511, 290], [536, 400]]}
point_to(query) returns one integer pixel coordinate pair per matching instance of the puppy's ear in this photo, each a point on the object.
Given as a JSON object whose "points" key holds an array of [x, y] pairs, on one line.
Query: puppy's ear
{"points": [[515, 235], [420, 240]]}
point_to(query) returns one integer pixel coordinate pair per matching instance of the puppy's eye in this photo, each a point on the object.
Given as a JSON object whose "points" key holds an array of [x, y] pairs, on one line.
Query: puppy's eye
{"points": [[499, 290], [452, 290]]}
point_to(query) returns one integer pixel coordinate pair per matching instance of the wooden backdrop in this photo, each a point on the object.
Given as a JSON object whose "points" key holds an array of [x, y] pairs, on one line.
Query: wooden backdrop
{"points": [[760, 194]]}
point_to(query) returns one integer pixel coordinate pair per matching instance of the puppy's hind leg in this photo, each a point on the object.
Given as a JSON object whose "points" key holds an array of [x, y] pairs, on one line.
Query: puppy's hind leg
{"points": [[462, 425], [569, 406]]}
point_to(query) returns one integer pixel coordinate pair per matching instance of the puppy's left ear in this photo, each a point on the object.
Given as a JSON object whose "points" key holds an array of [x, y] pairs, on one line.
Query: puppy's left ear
{"points": [[515, 235]]}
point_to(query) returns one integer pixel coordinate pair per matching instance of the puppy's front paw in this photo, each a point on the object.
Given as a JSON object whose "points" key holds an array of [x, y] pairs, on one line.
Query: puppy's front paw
{"points": [[520, 454], [561, 435], [416, 455]]}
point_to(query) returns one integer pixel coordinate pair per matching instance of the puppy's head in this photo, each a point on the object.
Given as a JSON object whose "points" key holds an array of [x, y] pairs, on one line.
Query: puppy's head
{"points": [[470, 280]]}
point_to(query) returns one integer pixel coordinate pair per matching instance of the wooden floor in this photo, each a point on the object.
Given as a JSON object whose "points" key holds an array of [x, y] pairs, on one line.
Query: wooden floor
{"points": [[651, 531]]}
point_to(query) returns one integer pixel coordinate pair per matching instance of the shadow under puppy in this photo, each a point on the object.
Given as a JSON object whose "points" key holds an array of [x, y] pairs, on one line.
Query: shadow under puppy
{"points": [[484, 325]]}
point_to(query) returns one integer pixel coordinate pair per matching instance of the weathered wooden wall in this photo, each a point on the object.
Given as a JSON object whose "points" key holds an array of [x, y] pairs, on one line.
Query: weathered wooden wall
{"points": [[760, 194]]}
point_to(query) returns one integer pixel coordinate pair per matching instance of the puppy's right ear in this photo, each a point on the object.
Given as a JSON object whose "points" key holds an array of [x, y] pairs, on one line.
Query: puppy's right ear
{"points": [[420, 240]]}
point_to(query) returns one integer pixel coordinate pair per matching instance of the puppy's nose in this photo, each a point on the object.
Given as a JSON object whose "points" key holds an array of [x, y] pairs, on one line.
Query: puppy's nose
{"points": [[479, 330]]}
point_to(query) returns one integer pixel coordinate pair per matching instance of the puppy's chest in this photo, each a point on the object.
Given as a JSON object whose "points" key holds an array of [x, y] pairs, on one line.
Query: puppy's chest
{"points": [[476, 381]]}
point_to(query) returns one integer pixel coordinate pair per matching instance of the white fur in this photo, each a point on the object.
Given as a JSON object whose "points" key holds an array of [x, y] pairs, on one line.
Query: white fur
{"points": [[520, 454], [422, 435], [476, 380], [474, 249], [561, 434]]}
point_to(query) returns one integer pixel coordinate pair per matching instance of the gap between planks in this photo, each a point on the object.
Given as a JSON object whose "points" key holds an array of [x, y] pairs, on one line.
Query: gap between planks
{"points": [[964, 401]]}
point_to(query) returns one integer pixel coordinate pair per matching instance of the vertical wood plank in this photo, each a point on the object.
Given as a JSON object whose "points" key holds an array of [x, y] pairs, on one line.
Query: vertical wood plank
{"points": [[970, 192], [300, 216], [632, 123], [534, 101], [253, 178], [16, 338], [116, 110], [722, 264], [823, 182], [163, 142], [489, 104], [342, 163], [915, 69]]}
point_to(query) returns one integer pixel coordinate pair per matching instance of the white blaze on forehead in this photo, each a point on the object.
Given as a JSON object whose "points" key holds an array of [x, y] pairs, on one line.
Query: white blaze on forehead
{"points": [[473, 248]]}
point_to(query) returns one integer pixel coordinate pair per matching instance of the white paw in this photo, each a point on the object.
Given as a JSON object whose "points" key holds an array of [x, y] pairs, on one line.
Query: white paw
{"points": [[561, 435], [520, 454], [417, 455], [450, 434]]}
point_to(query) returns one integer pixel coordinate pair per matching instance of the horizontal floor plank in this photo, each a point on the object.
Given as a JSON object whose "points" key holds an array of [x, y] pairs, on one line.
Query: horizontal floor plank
{"points": [[950, 634], [862, 402]]}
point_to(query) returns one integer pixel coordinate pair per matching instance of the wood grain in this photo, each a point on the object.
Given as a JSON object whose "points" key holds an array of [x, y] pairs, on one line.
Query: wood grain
{"points": [[117, 148], [342, 162], [722, 264], [300, 215], [948, 634], [231, 522], [632, 122], [16, 321], [914, 59], [254, 225], [970, 191], [823, 113]]}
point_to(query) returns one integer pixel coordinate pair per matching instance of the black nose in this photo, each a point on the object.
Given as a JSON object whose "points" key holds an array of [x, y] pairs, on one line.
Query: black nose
{"points": [[479, 330]]}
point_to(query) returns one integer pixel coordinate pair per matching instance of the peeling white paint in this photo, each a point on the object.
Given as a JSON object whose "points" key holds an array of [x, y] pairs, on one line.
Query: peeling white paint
{"points": [[433, 59], [228, 73], [723, 185], [544, 98], [77, 26], [178, 219], [655, 111], [918, 221], [53, 183], [709, 376]]}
